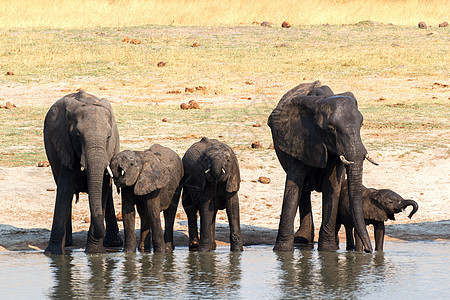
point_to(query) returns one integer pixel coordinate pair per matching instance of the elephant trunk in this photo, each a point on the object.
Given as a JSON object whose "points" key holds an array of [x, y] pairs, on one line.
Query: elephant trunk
{"points": [[354, 179], [413, 204], [96, 161]]}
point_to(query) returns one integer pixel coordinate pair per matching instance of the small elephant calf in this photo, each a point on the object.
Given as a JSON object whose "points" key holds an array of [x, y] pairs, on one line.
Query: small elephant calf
{"points": [[378, 207], [150, 180], [211, 182]]}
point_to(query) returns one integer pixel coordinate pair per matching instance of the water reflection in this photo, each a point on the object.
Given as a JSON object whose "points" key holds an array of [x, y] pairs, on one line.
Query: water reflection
{"points": [[421, 269], [329, 274]]}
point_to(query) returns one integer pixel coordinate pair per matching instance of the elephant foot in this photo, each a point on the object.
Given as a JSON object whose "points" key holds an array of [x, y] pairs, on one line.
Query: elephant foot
{"points": [[54, 250], [236, 248], [284, 246], [302, 240], [193, 245], [130, 249], [328, 247], [112, 241], [95, 248]]}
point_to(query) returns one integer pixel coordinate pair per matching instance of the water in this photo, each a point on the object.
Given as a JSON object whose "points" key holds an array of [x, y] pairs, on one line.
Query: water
{"points": [[406, 270]]}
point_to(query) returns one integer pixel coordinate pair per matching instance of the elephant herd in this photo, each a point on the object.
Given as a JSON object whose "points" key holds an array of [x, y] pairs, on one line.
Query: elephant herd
{"points": [[316, 136]]}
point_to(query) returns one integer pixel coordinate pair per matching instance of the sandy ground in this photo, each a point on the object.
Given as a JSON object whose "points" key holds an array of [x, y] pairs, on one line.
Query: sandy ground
{"points": [[28, 193]]}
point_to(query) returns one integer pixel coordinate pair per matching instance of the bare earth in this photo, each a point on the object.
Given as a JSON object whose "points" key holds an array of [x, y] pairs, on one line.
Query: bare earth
{"points": [[28, 194]]}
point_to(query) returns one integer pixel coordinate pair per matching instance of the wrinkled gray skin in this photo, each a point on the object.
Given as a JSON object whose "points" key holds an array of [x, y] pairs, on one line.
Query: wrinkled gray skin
{"points": [[311, 128], [81, 136], [211, 182], [378, 206], [149, 180]]}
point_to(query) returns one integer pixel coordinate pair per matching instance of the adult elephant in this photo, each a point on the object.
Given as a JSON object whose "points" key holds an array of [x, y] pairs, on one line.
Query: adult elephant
{"points": [[316, 135], [81, 137]]}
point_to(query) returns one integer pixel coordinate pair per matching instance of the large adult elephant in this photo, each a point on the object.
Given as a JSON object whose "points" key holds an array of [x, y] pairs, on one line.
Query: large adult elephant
{"points": [[81, 137], [316, 135]]}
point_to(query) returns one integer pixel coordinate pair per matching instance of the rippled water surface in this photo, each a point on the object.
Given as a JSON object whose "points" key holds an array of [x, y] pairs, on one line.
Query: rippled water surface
{"points": [[412, 270]]}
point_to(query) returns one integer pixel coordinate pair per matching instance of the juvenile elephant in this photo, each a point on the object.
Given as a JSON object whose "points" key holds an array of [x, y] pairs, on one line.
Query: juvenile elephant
{"points": [[81, 137], [211, 182], [150, 180], [316, 136], [378, 207]]}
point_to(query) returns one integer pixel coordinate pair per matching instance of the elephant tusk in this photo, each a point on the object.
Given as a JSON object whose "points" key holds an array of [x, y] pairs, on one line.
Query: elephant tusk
{"points": [[371, 160], [207, 171], [82, 168], [109, 171], [122, 172], [345, 161], [223, 170]]}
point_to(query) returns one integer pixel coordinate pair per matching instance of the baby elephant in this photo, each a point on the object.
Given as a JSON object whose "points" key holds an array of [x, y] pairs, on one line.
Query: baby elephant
{"points": [[378, 207], [150, 180], [211, 182]]}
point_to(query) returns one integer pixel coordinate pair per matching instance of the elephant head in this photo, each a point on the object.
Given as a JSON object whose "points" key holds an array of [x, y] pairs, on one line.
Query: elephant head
{"points": [[82, 135], [384, 203], [318, 127], [141, 169], [216, 163]]}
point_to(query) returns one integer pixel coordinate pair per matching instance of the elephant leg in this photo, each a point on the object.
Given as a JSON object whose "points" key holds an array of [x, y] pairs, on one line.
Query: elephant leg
{"points": [[285, 237], [63, 204], [169, 220], [379, 232], [145, 241], [305, 233], [154, 219], [112, 236], [69, 239], [206, 220], [330, 201], [349, 238], [128, 216], [232, 210], [213, 231]]}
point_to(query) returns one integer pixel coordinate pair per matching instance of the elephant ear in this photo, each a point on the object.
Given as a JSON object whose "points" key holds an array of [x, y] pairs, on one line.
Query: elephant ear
{"points": [[372, 207], [154, 175], [56, 130], [234, 181], [293, 126]]}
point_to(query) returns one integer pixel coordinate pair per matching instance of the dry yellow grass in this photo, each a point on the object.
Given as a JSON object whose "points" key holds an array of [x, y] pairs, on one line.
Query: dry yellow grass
{"points": [[117, 13]]}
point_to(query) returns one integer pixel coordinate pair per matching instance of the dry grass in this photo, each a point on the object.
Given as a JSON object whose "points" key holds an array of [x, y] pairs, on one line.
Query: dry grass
{"points": [[125, 13]]}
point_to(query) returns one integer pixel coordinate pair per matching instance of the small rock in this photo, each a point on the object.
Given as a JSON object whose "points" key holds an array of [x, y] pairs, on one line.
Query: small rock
{"points": [[184, 106], [10, 105], [9, 73], [188, 90], [118, 217], [126, 40], [266, 24], [282, 45], [200, 88], [443, 24], [381, 99], [135, 41], [257, 124], [87, 220], [50, 189], [43, 164], [256, 145], [195, 44], [422, 25], [286, 24], [164, 119], [102, 88], [249, 83], [193, 104], [174, 92], [264, 180], [256, 23], [161, 64]]}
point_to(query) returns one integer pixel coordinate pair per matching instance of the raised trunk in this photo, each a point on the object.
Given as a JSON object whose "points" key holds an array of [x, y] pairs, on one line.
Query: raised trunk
{"points": [[413, 204], [354, 178], [96, 160]]}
